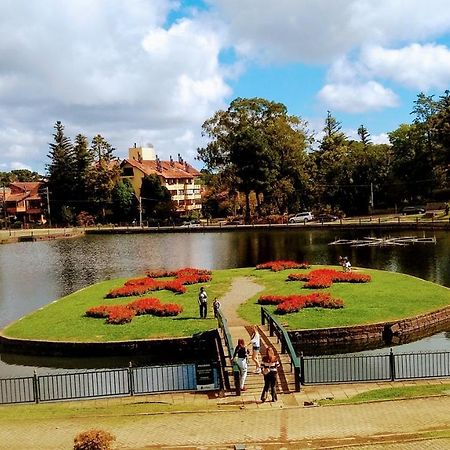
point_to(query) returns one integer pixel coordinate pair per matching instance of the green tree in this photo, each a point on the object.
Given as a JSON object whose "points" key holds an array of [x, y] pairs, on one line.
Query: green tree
{"points": [[60, 173], [156, 200], [254, 132], [124, 202], [83, 172], [364, 136], [105, 174]]}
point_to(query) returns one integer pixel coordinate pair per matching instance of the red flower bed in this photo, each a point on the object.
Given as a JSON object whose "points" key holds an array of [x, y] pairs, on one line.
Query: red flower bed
{"points": [[168, 309], [140, 286], [323, 278], [145, 305], [119, 314], [276, 266], [293, 303], [98, 311]]}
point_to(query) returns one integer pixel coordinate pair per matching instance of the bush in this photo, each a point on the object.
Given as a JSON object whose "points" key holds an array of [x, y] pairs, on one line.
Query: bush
{"points": [[276, 266], [93, 440], [324, 278], [119, 315]]}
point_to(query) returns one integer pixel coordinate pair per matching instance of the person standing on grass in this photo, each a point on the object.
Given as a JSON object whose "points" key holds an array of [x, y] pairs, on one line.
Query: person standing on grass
{"points": [[269, 368], [255, 342], [240, 357], [203, 303]]}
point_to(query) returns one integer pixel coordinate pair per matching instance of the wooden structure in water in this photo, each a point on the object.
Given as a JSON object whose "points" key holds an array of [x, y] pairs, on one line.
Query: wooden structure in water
{"points": [[385, 241]]}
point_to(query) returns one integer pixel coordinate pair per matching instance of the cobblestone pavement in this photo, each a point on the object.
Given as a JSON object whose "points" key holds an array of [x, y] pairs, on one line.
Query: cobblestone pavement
{"points": [[401, 425]]}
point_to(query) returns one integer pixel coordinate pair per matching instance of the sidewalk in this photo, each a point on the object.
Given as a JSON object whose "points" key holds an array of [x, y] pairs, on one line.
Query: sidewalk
{"points": [[225, 422]]}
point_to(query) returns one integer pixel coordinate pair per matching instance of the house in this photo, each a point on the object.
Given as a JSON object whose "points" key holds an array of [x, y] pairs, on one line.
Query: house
{"points": [[21, 201], [179, 177]]}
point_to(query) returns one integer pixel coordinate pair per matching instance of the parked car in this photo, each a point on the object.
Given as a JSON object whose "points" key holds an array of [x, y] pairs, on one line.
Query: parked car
{"points": [[302, 217], [234, 221], [191, 224], [413, 210], [325, 217]]}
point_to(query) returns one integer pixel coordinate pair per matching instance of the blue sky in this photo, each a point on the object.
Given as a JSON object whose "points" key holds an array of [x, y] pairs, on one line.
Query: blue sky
{"points": [[151, 71]]}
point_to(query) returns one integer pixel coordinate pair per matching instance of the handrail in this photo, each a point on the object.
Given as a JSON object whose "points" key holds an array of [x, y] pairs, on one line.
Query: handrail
{"points": [[223, 324], [286, 343]]}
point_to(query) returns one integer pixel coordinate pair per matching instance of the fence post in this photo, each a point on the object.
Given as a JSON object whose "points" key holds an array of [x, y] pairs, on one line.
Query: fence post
{"points": [[392, 365], [297, 379], [270, 327], [263, 317], [237, 381], [130, 379], [302, 368], [35, 387]]}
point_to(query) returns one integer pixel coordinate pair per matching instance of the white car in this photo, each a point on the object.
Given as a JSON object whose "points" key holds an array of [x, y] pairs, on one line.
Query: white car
{"points": [[302, 217]]}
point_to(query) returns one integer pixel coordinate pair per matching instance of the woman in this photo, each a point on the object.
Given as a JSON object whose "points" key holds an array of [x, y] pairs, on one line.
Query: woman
{"points": [[269, 367], [255, 342], [240, 355]]}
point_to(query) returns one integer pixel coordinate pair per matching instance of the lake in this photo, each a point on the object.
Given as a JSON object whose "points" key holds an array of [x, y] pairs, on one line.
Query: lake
{"points": [[33, 274]]}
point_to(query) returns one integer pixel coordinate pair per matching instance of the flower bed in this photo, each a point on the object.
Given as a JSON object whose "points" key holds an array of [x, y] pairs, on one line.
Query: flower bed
{"points": [[140, 286], [119, 314], [324, 278], [294, 303], [276, 266]]}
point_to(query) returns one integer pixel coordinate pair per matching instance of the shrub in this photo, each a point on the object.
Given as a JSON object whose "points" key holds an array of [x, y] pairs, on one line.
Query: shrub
{"points": [[294, 303], [168, 309], [276, 266], [120, 314], [93, 440], [145, 305], [271, 299], [98, 311], [324, 278]]}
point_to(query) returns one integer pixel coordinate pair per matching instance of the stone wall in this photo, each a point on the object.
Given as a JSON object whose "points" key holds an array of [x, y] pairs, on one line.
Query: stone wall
{"points": [[201, 346], [364, 337]]}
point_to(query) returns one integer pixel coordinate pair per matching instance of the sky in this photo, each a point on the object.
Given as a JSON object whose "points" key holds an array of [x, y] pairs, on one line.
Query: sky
{"points": [[152, 71]]}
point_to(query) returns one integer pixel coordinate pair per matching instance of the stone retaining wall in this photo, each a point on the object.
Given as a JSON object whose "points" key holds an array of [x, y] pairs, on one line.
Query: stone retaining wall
{"points": [[364, 337], [184, 349]]}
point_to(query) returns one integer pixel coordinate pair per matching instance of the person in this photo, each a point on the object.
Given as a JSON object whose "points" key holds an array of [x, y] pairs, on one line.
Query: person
{"points": [[240, 356], [269, 366], [216, 307], [347, 266], [255, 342], [341, 262], [203, 303]]}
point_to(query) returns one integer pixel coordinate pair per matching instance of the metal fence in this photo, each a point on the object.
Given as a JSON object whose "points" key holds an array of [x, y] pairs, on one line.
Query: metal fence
{"points": [[109, 382], [380, 367]]}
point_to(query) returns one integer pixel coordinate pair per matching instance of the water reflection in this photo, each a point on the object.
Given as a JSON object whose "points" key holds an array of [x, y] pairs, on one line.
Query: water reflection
{"points": [[33, 274]]}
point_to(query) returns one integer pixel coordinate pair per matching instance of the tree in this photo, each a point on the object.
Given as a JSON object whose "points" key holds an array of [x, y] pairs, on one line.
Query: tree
{"points": [[60, 172], [364, 135], [253, 144], [156, 200], [83, 172], [124, 202], [105, 174]]}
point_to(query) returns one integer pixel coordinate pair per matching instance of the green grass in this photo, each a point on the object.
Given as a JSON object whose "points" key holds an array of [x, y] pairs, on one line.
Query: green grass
{"points": [[388, 296], [393, 393]]}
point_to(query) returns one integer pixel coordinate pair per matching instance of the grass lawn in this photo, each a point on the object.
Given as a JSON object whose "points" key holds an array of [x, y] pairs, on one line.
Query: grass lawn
{"points": [[388, 296]]}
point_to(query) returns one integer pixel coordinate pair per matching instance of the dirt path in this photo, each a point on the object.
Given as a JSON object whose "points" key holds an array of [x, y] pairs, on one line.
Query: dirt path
{"points": [[242, 288]]}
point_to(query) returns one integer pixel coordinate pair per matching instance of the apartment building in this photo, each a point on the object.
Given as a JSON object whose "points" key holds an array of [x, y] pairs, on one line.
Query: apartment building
{"points": [[180, 178]]}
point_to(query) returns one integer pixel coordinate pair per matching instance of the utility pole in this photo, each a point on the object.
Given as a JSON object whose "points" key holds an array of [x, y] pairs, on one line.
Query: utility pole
{"points": [[371, 198], [140, 211]]}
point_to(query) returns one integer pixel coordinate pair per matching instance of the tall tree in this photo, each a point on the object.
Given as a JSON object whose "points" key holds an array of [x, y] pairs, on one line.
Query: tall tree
{"points": [[60, 172], [253, 128], [83, 171], [156, 200], [124, 202], [105, 173], [364, 136]]}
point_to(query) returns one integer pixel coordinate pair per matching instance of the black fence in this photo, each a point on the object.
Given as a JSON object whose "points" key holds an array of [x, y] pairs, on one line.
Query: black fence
{"points": [[109, 382], [379, 367]]}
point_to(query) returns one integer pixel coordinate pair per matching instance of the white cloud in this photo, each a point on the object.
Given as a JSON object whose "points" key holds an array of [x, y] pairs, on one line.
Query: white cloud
{"points": [[356, 98], [111, 67], [417, 66], [322, 30]]}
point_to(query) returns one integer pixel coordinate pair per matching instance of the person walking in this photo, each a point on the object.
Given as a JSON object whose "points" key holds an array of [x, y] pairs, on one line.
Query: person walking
{"points": [[240, 356], [216, 307], [203, 303], [347, 266], [255, 342], [269, 366]]}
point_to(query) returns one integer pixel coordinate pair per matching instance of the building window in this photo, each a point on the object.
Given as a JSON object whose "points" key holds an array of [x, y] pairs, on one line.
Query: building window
{"points": [[127, 171]]}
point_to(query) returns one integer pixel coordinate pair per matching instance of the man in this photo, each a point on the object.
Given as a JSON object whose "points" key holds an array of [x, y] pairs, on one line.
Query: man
{"points": [[203, 303]]}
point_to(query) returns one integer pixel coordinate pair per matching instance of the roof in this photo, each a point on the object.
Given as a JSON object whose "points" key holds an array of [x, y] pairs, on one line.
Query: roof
{"points": [[19, 190], [166, 169]]}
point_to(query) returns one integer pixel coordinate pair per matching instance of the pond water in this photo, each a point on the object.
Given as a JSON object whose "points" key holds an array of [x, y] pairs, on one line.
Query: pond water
{"points": [[36, 273]]}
